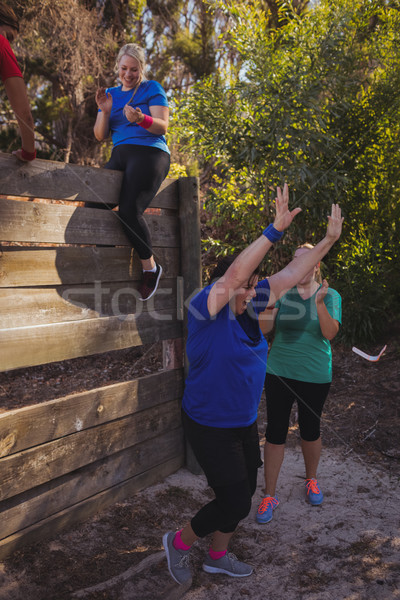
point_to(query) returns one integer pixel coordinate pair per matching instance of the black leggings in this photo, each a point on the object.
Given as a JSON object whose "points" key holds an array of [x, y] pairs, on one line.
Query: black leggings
{"points": [[145, 168], [230, 459], [231, 504], [280, 394]]}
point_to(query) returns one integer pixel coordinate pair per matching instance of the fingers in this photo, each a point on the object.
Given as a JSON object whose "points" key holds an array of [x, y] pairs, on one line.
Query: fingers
{"points": [[295, 212]]}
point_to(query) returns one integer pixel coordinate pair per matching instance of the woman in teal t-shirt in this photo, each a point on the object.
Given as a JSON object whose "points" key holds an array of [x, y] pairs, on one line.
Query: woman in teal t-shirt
{"points": [[299, 368]]}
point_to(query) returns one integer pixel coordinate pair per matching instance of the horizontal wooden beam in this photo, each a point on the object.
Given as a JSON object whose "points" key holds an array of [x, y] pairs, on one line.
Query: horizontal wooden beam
{"points": [[62, 181], [46, 500], [41, 306], [28, 469], [57, 224], [23, 267], [34, 425], [42, 344], [83, 510]]}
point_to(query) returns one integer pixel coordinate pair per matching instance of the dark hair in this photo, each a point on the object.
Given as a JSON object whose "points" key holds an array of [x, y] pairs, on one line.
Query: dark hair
{"points": [[8, 17], [223, 265]]}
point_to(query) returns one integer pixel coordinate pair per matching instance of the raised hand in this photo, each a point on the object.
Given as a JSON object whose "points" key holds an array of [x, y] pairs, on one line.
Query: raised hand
{"points": [[104, 100], [283, 216], [335, 221], [323, 290]]}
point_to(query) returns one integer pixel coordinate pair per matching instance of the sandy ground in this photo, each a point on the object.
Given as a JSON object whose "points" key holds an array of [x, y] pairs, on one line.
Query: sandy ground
{"points": [[347, 549]]}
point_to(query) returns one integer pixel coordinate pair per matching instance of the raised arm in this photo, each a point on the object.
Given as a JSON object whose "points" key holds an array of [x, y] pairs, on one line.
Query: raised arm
{"points": [[245, 264], [102, 125], [329, 325], [284, 280]]}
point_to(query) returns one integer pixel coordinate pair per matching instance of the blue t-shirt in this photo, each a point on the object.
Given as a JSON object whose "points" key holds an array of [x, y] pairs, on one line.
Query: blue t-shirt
{"points": [[149, 93], [227, 357]]}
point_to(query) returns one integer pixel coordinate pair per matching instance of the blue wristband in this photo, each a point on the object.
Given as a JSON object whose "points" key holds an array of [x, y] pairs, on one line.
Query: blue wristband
{"points": [[272, 234]]}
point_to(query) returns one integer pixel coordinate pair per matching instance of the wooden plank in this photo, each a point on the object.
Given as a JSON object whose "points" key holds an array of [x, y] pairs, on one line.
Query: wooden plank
{"points": [[52, 266], [34, 425], [57, 224], [30, 468], [42, 502], [42, 344], [84, 510], [62, 181], [189, 218], [20, 306]]}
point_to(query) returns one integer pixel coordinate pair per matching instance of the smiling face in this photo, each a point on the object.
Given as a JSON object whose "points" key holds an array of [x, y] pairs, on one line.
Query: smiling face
{"points": [[243, 296], [129, 72]]}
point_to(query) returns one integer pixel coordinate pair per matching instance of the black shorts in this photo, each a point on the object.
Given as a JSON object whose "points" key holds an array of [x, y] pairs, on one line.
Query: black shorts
{"points": [[226, 455]]}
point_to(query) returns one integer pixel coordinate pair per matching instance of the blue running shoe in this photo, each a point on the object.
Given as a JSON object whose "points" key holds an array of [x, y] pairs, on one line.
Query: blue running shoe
{"points": [[267, 506], [314, 494]]}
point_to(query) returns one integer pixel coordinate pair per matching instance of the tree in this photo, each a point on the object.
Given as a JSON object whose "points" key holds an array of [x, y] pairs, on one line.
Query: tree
{"points": [[315, 103]]}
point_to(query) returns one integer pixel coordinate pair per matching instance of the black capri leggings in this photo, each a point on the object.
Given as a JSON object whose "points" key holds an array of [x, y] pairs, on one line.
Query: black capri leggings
{"points": [[230, 459], [280, 393], [145, 168]]}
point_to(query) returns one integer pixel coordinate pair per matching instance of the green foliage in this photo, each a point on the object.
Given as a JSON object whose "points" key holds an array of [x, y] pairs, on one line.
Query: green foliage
{"points": [[314, 103]]}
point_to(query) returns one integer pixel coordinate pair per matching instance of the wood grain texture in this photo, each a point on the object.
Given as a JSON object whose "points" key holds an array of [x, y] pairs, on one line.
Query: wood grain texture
{"points": [[80, 512], [30, 468], [19, 306], [37, 345], [57, 495], [61, 181], [31, 426], [57, 224], [22, 267]]}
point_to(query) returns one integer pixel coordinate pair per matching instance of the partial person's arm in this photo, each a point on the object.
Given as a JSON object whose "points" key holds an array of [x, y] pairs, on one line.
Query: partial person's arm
{"points": [[102, 125], [284, 280], [329, 326], [266, 320], [245, 264], [18, 97], [156, 124]]}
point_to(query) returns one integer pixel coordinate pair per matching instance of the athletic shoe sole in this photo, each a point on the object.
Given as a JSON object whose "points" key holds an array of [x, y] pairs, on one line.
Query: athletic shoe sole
{"points": [[155, 287], [208, 569]]}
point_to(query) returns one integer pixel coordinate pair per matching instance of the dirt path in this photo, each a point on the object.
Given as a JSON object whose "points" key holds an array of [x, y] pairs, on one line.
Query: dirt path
{"points": [[347, 549]]}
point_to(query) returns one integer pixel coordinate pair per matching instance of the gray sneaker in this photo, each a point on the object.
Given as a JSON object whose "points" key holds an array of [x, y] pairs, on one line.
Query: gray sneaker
{"points": [[228, 564], [178, 560]]}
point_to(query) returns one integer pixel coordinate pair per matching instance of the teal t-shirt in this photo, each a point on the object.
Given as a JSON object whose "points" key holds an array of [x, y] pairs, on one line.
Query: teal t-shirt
{"points": [[299, 350]]}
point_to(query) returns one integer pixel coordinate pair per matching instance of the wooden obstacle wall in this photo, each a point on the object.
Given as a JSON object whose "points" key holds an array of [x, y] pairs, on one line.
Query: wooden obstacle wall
{"points": [[68, 289]]}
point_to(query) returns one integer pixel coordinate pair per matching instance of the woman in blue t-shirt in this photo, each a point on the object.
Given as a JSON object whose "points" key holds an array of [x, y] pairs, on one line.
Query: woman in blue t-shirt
{"points": [[227, 355], [299, 368], [136, 113]]}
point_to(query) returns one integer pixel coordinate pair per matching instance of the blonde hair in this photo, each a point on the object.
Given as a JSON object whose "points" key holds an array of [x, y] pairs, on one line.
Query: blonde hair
{"points": [[317, 274], [134, 51]]}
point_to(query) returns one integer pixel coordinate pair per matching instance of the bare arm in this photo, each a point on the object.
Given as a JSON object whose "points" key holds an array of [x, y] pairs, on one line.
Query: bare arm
{"points": [[244, 265], [284, 280], [16, 92], [102, 125], [266, 320], [329, 326], [159, 114]]}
